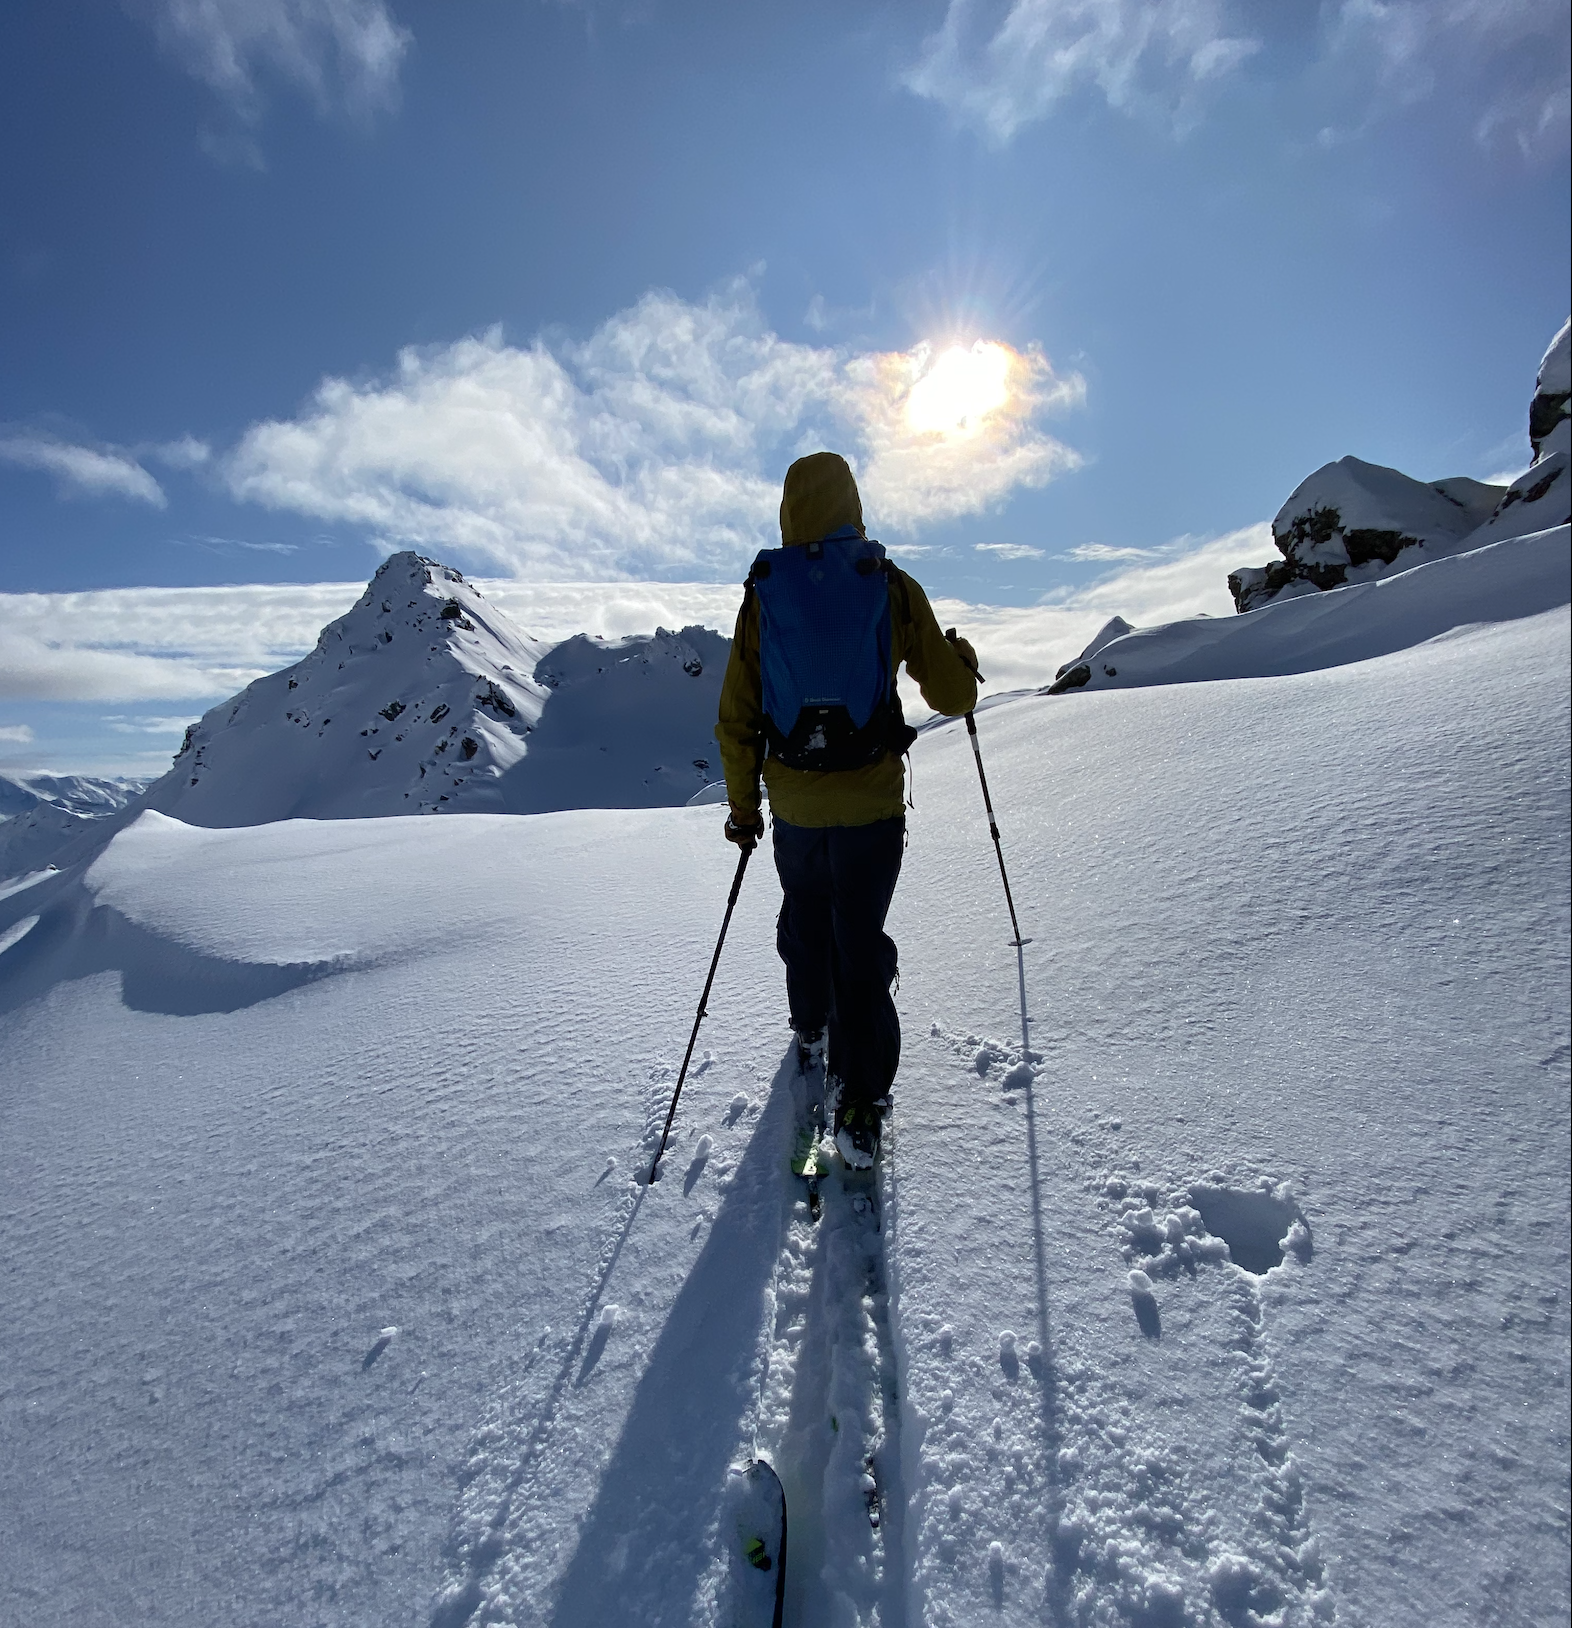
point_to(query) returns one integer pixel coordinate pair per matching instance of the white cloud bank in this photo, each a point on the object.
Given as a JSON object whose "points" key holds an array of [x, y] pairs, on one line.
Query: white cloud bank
{"points": [[341, 53], [84, 471], [656, 446], [1145, 56], [199, 644]]}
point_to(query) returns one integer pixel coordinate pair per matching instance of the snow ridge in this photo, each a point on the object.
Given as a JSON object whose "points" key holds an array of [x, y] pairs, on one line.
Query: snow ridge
{"points": [[1353, 521]]}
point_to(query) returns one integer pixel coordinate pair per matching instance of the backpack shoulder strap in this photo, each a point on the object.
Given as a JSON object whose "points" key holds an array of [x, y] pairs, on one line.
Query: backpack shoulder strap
{"points": [[897, 589]]}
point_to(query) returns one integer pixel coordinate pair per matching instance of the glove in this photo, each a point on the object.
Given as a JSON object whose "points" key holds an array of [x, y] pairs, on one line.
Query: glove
{"points": [[744, 826], [964, 650]]}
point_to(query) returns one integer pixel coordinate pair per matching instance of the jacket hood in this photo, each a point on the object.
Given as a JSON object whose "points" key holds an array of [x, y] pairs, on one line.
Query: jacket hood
{"points": [[820, 497]]}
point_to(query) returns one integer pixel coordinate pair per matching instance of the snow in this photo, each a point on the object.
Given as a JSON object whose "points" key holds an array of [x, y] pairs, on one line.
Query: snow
{"points": [[1353, 521], [75, 793], [1520, 577], [426, 698], [40, 813], [1370, 497], [334, 1296], [1555, 368]]}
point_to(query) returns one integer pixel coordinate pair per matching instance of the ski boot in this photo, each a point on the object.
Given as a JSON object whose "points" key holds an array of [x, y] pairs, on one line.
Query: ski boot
{"points": [[858, 1125], [810, 1049]]}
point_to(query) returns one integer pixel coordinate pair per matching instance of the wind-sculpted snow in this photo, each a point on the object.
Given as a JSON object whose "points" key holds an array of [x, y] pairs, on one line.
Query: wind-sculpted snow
{"points": [[1521, 577], [1353, 521], [339, 1299]]}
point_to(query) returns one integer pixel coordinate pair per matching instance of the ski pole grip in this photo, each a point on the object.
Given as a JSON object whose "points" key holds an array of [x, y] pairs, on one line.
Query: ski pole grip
{"points": [[952, 635]]}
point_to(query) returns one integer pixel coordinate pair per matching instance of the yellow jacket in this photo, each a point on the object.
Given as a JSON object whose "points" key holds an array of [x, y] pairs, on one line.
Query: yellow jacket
{"points": [[844, 796]]}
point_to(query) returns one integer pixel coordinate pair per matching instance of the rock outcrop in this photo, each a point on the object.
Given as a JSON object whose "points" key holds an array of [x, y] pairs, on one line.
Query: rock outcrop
{"points": [[1351, 520]]}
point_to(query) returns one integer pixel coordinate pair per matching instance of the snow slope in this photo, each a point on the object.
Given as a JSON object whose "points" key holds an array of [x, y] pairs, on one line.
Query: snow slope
{"points": [[1297, 634], [41, 813], [331, 1297]]}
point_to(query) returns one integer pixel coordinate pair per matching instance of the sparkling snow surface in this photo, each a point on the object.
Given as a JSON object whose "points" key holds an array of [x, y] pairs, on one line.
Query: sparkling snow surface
{"points": [[332, 1294]]}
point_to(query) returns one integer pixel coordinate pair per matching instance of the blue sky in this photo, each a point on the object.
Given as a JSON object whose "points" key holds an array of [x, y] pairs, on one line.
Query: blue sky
{"points": [[555, 290]]}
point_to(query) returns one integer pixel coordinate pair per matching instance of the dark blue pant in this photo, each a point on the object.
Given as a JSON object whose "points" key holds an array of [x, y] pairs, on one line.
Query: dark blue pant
{"points": [[840, 963]]}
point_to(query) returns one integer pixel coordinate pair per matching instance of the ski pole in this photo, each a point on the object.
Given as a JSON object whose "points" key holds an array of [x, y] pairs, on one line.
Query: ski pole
{"points": [[993, 829], [731, 904]]}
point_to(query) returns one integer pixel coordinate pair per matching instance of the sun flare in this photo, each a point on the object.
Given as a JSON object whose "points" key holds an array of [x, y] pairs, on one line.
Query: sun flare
{"points": [[964, 385]]}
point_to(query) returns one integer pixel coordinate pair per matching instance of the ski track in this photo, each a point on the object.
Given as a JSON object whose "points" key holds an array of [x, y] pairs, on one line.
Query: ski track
{"points": [[1103, 1519], [824, 1377], [829, 1411]]}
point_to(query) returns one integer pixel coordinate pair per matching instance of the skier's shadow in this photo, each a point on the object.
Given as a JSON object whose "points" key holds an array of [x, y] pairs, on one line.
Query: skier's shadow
{"points": [[642, 1547]]}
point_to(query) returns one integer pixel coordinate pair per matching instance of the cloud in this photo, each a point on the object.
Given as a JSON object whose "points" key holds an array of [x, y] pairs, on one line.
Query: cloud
{"points": [[186, 453], [1192, 581], [16, 735], [1499, 66], [157, 644], [83, 470], [1022, 647], [340, 53], [127, 645], [1501, 63], [1104, 551], [148, 726], [1154, 57], [654, 447], [228, 545], [1009, 551]]}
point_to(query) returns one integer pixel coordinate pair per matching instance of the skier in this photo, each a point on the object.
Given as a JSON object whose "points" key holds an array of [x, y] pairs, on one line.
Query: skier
{"points": [[809, 700]]}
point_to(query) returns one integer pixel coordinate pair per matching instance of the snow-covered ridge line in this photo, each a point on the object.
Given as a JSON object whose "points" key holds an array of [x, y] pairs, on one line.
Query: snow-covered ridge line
{"points": [[1497, 583], [425, 698], [1353, 521]]}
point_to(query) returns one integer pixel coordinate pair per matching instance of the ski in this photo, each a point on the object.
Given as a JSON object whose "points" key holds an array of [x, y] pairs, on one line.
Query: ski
{"points": [[808, 1154], [759, 1557]]}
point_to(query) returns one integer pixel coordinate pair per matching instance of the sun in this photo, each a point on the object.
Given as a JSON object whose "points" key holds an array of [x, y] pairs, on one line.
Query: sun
{"points": [[964, 385]]}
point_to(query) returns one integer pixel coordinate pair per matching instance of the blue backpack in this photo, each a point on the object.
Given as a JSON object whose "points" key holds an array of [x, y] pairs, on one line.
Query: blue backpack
{"points": [[824, 653]]}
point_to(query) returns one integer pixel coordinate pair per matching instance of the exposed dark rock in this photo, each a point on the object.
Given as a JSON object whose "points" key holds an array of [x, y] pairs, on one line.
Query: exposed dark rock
{"points": [[1072, 680], [494, 698], [1253, 585], [1365, 543], [1545, 411]]}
